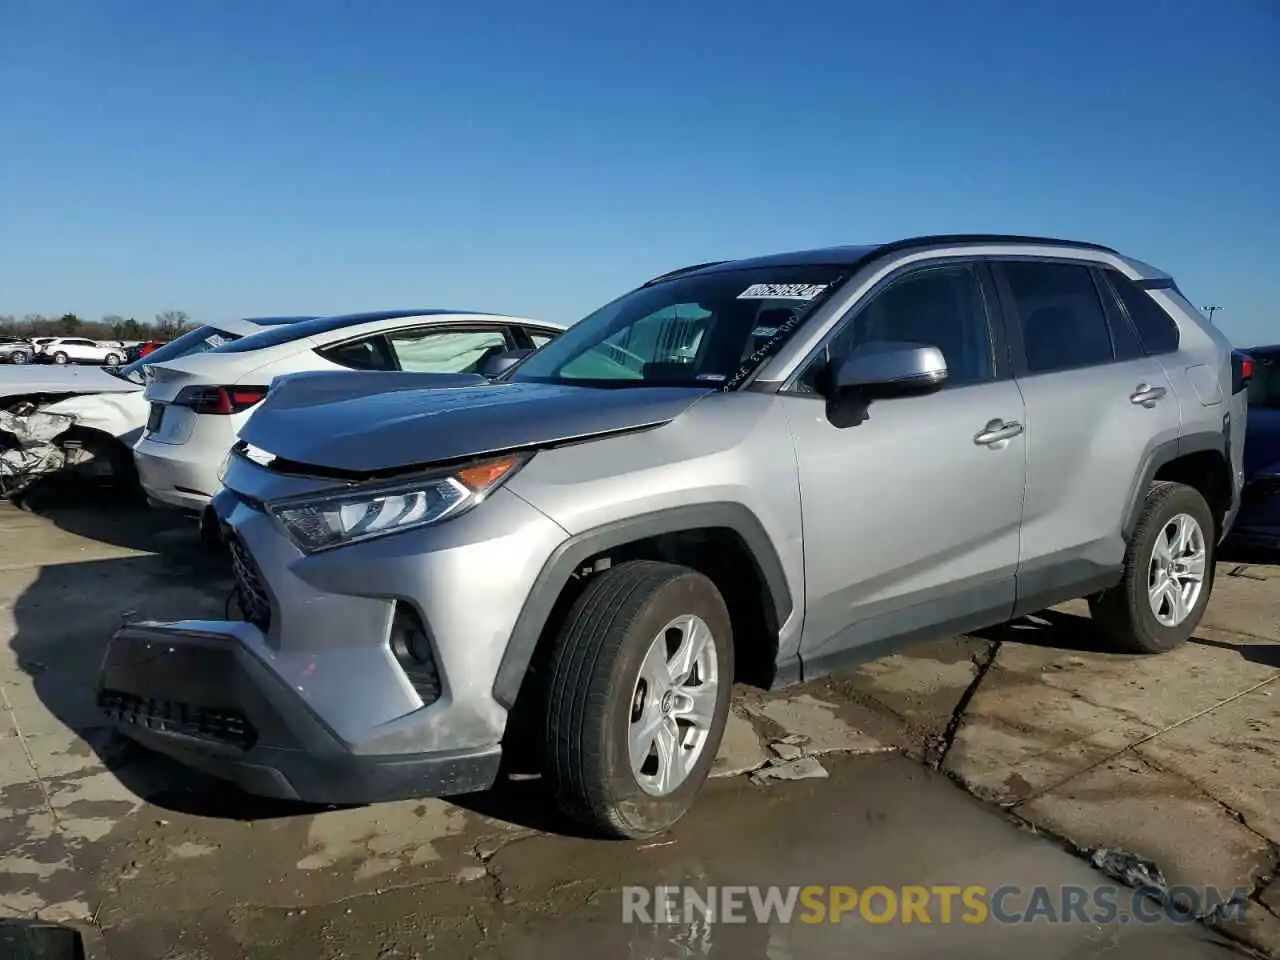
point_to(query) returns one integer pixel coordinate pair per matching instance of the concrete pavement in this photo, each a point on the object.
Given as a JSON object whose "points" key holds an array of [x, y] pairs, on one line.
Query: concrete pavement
{"points": [[1173, 758]]}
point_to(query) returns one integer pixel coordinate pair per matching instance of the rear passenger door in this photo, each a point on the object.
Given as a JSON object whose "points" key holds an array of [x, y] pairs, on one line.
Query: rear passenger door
{"points": [[1096, 408]]}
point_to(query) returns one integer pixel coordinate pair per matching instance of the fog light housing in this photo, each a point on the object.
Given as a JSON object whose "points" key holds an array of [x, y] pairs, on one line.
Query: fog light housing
{"points": [[412, 648]]}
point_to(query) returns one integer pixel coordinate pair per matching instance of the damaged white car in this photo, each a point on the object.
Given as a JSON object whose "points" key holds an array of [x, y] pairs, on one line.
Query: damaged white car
{"points": [[87, 418]]}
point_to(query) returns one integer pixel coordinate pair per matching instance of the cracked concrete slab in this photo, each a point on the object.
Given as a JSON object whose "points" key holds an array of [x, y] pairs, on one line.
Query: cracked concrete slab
{"points": [[1130, 804], [819, 722], [146, 848], [740, 750], [1232, 754]]}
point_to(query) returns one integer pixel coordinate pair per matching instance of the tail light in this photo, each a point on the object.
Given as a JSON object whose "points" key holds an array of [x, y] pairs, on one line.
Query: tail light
{"points": [[219, 401], [1241, 370]]}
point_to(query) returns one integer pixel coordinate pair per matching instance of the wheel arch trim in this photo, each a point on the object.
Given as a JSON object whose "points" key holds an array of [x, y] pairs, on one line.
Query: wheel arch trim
{"points": [[567, 557], [1166, 453]]}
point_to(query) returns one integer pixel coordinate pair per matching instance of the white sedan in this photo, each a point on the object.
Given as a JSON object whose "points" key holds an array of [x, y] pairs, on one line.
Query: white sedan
{"points": [[106, 404], [200, 402]]}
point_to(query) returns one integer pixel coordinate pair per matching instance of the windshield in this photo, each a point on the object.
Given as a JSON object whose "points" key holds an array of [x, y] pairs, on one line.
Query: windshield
{"points": [[1264, 388], [695, 330], [199, 340]]}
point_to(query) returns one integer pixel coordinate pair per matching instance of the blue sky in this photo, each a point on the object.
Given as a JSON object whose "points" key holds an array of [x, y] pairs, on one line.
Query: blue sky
{"points": [[321, 156]]}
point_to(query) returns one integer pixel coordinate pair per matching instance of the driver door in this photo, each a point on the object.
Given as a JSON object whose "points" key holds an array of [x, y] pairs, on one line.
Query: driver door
{"points": [[911, 516]]}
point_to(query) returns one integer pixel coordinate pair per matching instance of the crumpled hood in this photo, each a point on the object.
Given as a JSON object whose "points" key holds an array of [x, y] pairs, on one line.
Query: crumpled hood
{"points": [[371, 422], [16, 381]]}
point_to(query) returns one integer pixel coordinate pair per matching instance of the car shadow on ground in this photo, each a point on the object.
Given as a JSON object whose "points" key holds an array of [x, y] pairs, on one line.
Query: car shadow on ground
{"points": [[1052, 628], [1263, 654], [65, 616]]}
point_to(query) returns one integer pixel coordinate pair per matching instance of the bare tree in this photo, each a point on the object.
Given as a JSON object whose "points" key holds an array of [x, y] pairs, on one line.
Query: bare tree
{"points": [[35, 325], [171, 324], [115, 323]]}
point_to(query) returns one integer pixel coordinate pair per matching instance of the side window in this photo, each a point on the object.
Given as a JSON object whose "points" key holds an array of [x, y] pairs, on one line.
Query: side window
{"points": [[1124, 337], [1157, 329], [939, 306], [367, 353], [445, 351], [1063, 325], [539, 339]]}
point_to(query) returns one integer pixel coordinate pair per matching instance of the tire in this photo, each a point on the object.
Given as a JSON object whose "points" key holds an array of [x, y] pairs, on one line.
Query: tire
{"points": [[18, 357], [210, 532], [60, 358], [113, 360], [1126, 612], [596, 685]]}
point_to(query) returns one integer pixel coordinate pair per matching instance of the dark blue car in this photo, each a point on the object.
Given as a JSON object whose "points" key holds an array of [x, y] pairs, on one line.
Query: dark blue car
{"points": [[1258, 523]]}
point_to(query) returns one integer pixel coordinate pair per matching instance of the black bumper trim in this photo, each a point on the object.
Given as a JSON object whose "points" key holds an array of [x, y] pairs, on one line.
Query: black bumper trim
{"points": [[343, 780], [296, 756]]}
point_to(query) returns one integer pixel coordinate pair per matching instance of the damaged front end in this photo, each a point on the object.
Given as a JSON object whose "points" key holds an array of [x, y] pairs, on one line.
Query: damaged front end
{"points": [[28, 447]]}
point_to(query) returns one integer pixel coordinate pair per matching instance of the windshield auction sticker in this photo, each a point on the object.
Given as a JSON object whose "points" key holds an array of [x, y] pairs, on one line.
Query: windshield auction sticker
{"points": [[782, 291]]}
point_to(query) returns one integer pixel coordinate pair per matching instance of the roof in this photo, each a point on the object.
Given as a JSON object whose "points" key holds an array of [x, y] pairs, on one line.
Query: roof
{"points": [[857, 254], [275, 335]]}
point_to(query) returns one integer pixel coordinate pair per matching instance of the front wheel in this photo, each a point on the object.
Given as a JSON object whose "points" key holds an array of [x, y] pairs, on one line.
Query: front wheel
{"points": [[1168, 573], [18, 358], [60, 358], [639, 692]]}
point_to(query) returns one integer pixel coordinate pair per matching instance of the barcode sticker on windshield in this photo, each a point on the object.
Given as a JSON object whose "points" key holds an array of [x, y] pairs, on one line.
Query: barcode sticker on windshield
{"points": [[782, 291]]}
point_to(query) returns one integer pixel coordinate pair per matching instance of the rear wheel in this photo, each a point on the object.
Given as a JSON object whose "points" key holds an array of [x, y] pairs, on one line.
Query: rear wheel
{"points": [[113, 359], [1168, 573], [18, 356], [60, 357], [638, 697]]}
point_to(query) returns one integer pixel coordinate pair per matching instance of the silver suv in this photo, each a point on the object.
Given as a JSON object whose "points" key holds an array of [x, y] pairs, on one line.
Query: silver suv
{"points": [[758, 470]]}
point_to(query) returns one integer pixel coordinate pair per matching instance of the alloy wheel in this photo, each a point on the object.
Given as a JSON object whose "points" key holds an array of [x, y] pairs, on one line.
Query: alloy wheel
{"points": [[673, 705], [1176, 573]]}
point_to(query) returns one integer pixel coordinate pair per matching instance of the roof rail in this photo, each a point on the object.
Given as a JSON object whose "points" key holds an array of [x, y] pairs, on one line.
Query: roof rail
{"points": [[682, 270], [945, 238]]}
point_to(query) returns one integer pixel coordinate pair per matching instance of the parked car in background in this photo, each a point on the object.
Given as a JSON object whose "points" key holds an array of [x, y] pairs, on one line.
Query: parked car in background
{"points": [[200, 402], [139, 350], [756, 470], [106, 404], [64, 350], [1259, 522], [16, 350]]}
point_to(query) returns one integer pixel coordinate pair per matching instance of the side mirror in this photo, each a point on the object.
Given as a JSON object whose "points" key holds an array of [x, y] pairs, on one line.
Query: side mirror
{"points": [[890, 369], [497, 363]]}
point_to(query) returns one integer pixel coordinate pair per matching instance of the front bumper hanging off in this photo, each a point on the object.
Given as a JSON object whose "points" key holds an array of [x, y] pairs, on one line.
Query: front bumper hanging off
{"points": [[191, 690]]}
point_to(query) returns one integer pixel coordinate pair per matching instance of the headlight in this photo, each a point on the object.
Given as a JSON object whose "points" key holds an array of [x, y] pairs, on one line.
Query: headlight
{"points": [[319, 522]]}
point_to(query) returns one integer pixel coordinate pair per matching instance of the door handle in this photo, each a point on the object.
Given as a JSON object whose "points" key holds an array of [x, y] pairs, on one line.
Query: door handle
{"points": [[997, 430], [1147, 396]]}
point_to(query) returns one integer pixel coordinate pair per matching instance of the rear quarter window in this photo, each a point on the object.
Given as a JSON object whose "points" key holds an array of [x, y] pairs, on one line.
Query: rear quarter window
{"points": [[1157, 330]]}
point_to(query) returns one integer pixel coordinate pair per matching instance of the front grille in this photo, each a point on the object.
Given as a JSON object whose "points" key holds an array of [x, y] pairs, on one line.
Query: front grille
{"points": [[250, 592], [172, 716]]}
